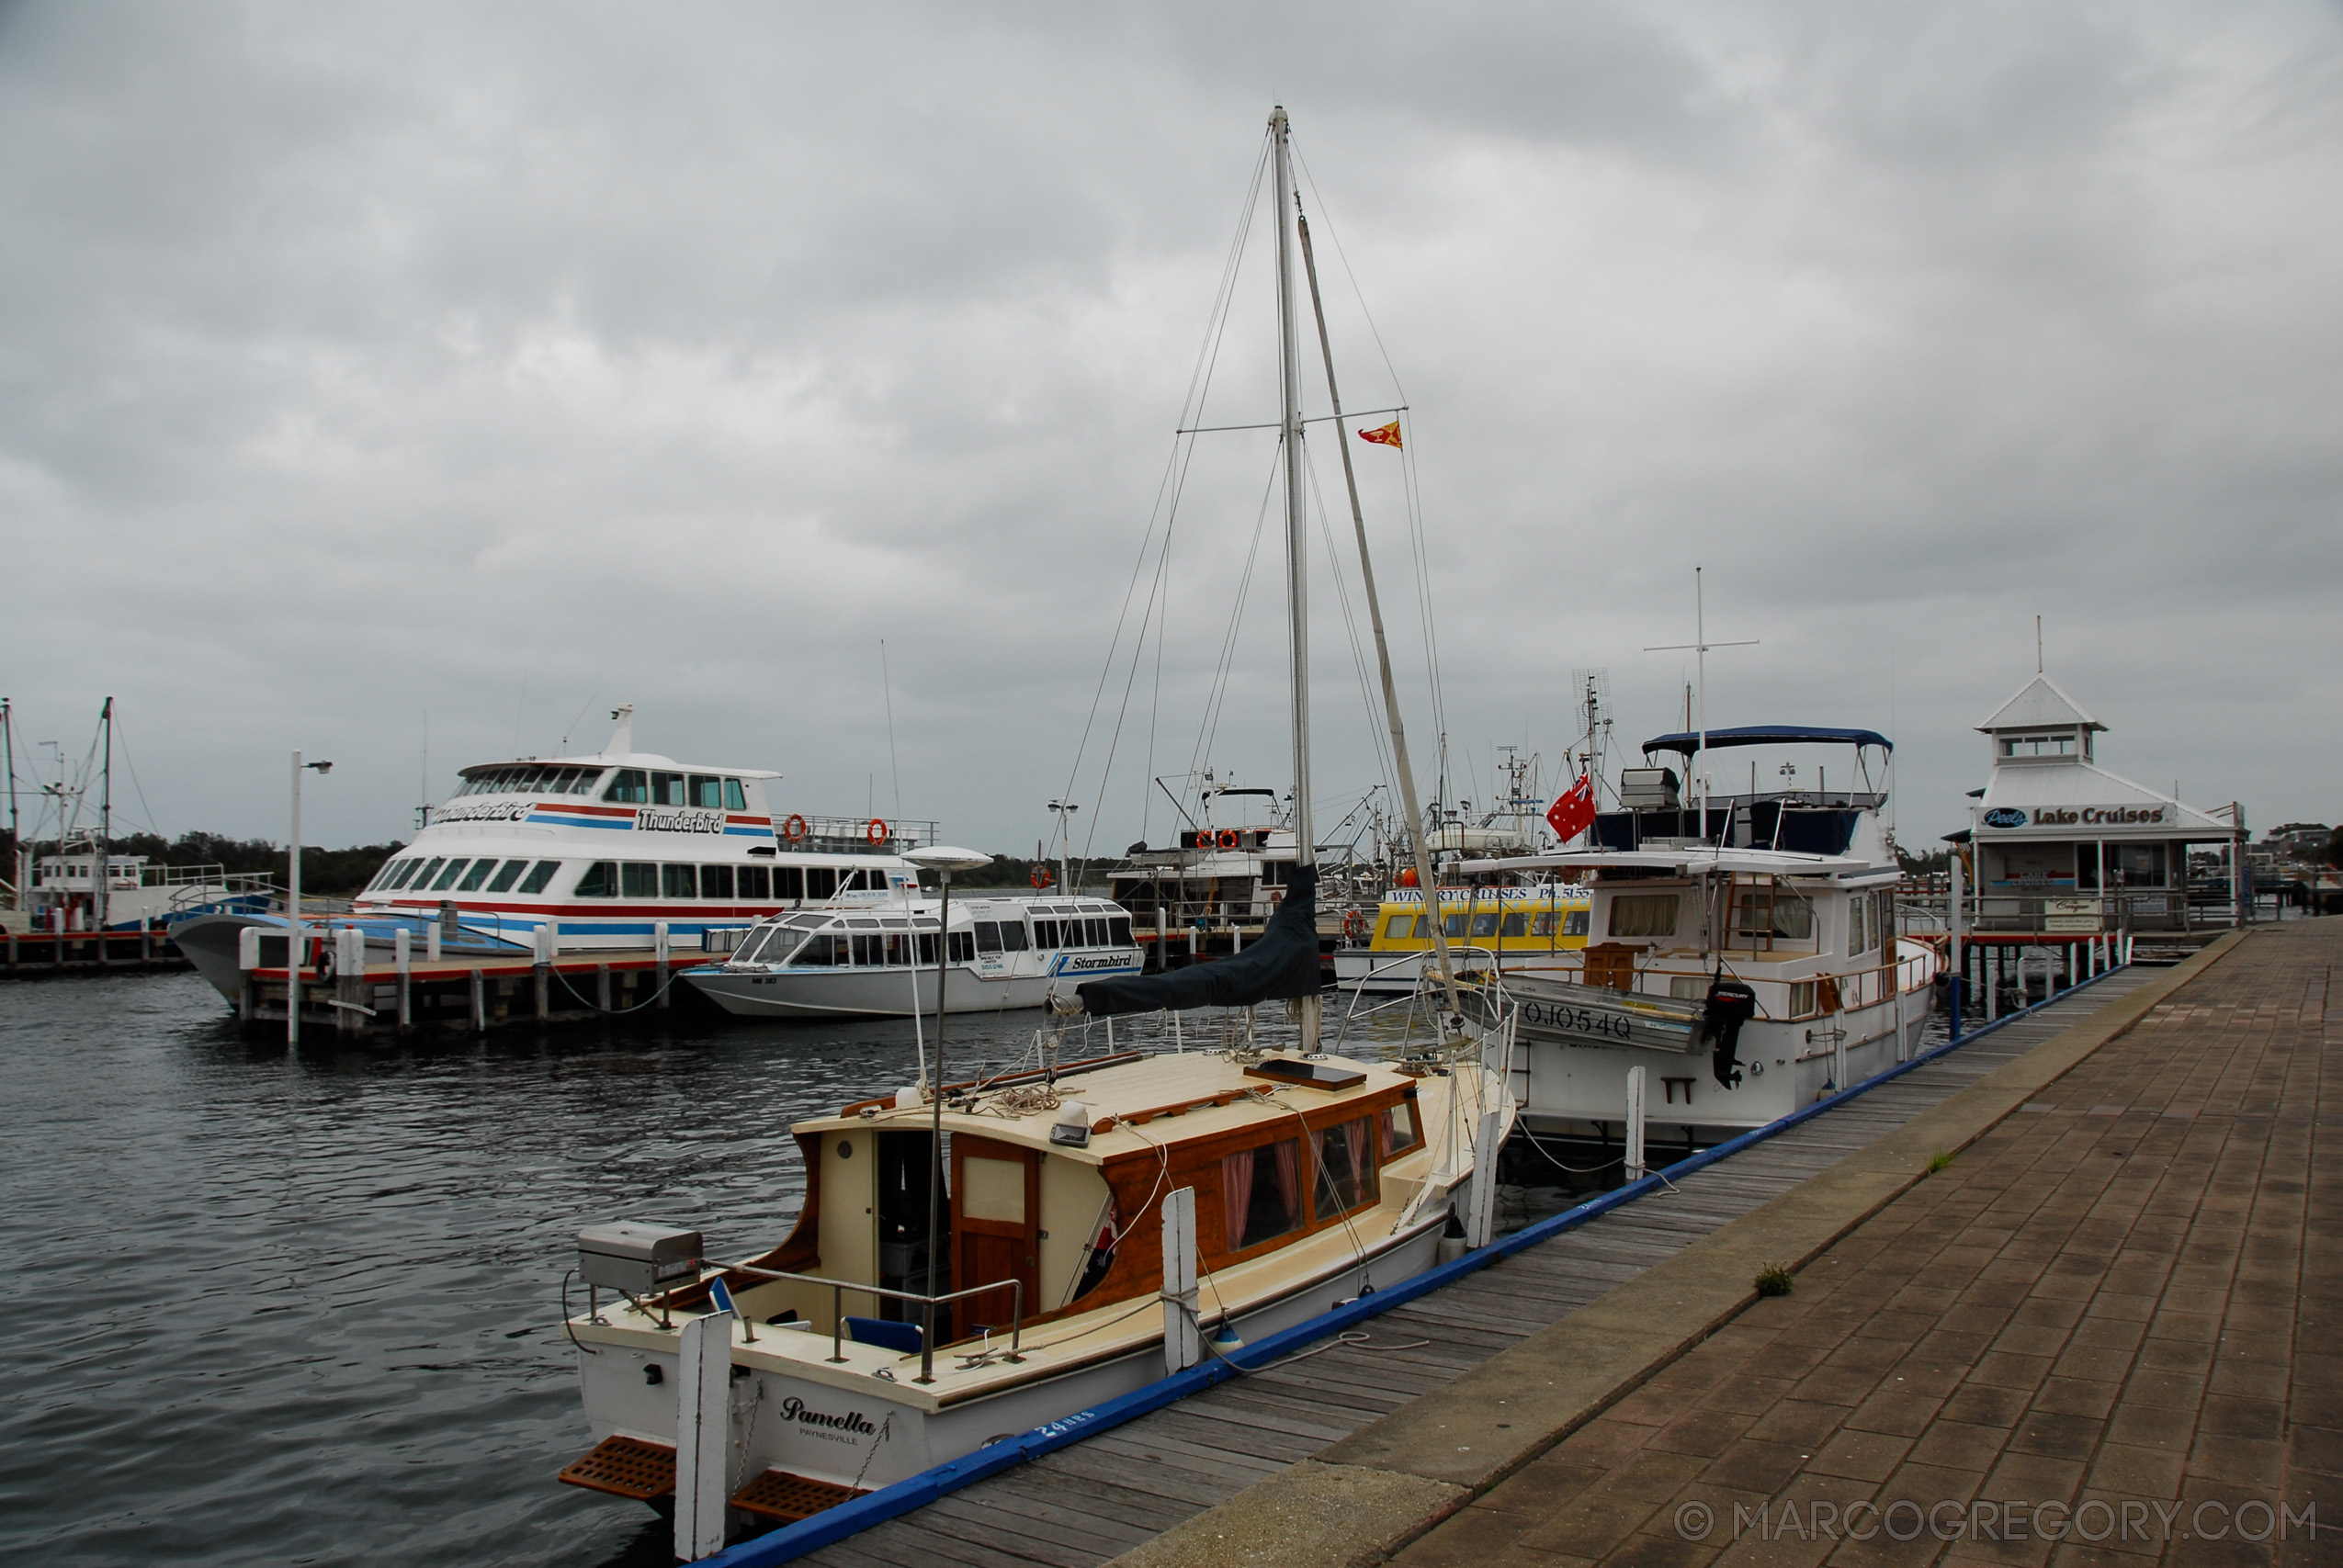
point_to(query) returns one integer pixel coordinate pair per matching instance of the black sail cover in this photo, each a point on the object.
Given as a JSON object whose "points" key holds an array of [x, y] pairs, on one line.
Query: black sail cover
{"points": [[1282, 964]]}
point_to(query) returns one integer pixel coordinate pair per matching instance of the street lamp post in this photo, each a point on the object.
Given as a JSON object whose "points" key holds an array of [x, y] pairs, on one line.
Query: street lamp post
{"points": [[293, 907], [943, 861], [1065, 808]]}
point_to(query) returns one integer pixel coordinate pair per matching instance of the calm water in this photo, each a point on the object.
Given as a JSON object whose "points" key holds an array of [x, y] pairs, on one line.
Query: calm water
{"points": [[266, 1307]]}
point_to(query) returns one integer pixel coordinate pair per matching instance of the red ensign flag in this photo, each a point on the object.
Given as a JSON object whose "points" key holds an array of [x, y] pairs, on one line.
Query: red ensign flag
{"points": [[1383, 436], [1571, 815]]}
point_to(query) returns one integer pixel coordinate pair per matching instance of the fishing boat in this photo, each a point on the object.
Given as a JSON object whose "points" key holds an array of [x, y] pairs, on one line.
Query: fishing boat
{"points": [[1743, 948], [1507, 928], [610, 849], [977, 1258], [880, 961]]}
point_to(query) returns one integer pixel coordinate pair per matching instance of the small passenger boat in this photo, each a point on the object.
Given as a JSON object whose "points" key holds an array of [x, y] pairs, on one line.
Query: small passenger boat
{"points": [[1486, 928], [882, 962]]}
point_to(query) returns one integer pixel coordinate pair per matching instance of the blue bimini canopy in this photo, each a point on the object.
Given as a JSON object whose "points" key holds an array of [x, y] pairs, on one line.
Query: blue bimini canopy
{"points": [[1769, 734]]}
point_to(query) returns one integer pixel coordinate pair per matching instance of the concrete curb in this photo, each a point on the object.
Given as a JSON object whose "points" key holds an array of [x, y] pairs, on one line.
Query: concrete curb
{"points": [[1367, 1497]]}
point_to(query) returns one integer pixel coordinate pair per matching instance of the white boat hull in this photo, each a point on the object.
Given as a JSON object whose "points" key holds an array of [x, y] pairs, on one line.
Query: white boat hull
{"points": [[890, 993]]}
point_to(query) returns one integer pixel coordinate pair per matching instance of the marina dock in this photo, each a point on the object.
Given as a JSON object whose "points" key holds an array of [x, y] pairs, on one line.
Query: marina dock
{"points": [[1320, 1455], [465, 994], [37, 955]]}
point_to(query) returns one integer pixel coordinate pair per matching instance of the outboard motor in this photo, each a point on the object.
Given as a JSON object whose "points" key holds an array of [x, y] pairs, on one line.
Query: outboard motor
{"points": [[1731, 1003]]}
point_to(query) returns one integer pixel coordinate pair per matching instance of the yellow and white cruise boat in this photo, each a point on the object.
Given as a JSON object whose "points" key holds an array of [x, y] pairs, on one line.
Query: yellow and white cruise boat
{"points": [[1486, 928]]}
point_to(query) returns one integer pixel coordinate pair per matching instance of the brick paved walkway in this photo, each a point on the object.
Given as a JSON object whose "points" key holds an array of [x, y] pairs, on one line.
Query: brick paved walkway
{"points": [[2119, 1301]]}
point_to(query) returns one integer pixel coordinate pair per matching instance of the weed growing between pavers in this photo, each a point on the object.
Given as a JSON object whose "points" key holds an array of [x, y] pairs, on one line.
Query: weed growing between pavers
{"points": [[1774, 1280], [1940, 1160]]}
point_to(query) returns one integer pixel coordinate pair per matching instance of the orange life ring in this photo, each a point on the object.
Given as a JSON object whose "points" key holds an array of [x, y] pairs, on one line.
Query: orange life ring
{"points": [[1228, 838], [876, 831], [794, 829], [1040, 877], [1355, 924]]}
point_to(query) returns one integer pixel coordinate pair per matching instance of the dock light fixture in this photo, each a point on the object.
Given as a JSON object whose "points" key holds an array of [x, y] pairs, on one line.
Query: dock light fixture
{"points": [[293, 906], [942, 860]]}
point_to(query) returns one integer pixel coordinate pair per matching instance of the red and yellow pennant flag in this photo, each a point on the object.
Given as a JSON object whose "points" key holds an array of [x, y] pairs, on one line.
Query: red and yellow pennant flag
{"points": [[1387, 436]]}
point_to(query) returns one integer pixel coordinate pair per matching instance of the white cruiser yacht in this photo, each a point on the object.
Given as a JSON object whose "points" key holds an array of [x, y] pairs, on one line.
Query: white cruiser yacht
{"points": [[1746, 954], [882, 962], [605, 848]]}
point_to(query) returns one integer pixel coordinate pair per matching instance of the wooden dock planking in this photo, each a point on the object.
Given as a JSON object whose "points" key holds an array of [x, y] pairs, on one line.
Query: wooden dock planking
{"points": [[1170, 1465]]}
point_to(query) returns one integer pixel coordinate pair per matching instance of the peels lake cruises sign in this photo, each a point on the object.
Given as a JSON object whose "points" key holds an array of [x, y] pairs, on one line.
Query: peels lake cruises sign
{"points": [[2012, 816]]}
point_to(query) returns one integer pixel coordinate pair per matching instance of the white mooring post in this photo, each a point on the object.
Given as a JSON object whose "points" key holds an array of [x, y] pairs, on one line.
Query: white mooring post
{"points": [[703, 1435], [1182, 1340], [1634, 1167], [658, 944], [1481, 1222], [544, 967], [431, 943], [403, 955]]}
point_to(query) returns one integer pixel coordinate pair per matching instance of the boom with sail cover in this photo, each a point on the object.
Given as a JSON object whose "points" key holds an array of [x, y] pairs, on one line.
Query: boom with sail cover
{"points": [[1282, 964]]}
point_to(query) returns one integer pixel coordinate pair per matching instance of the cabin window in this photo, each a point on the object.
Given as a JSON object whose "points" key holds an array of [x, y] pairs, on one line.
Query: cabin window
{"points": [[540, 875], [1515, 925], [716, 882], [1485, 922], [507, 874], [988, 936], [667, 789], [963, 947], [627, 786], [1760, 914], [1543, 925], [1045, 933], [868, 949], [1575, 923], [678, 882], [822, 882], [478, 874], [584, 783], [927, 948], [1261, 1194], [1118, 931], [1345, 1157], [735, 799], [816, 953], [448, 878], [898, 949], [1858, 939], [1398, 928], [1013, 936], [992, 1189], [708, 792], [1800, 998], [1102, 933], [1400, 1133], [600, 881], [788, 882], [1453, 925], [757, 882], [396, 877], [639, 879], [1645, 914]]}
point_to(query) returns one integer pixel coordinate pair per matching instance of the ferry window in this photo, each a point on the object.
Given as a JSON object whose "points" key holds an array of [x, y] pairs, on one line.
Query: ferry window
{"points": [[1575, 923], [1485, 924], [822, 882], [1516, 925], [788, 882], [988, 936], [871, 880], [639, 880], [666, 789], [1400, 1133], [1118, 931], [584, 782], [716, 882], [1094, 931], [1453, 925], [757, 882], [1261, 1194], [1398, 928], [678, 882], [898, 949], [708, 791], [1013, 936], [734, 799], [1644, 914], [447, 877], [869, 949], [927, 947], [527, 779], [1345, 1156], [815, 953], [1543, 925], [626, 788], [560, 782], [394, 875], [600, 881], [422, 877], [1045, 933], [508, 875], [963, 947], [478, 874], [541, 874]]}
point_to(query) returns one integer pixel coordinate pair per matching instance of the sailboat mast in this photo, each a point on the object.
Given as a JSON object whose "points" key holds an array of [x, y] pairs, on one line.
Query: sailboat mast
{"points": [[101, 900], [1417, 842], [1289, 365]]}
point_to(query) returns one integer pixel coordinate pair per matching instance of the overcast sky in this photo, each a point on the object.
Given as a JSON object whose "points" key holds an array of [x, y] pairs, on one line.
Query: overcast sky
{"points": [[375, 372]]}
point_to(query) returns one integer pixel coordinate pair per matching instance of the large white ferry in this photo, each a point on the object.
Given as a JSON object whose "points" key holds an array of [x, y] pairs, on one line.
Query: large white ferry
{"points": [[605, 849]]}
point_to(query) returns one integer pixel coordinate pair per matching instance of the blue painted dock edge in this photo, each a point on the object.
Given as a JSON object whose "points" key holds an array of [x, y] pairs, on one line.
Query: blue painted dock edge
{"points": [[912, 1493]]}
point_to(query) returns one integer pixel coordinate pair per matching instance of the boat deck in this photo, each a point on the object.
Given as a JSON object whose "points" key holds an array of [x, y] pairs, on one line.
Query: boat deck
{"points": [[1084, 1505]]}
